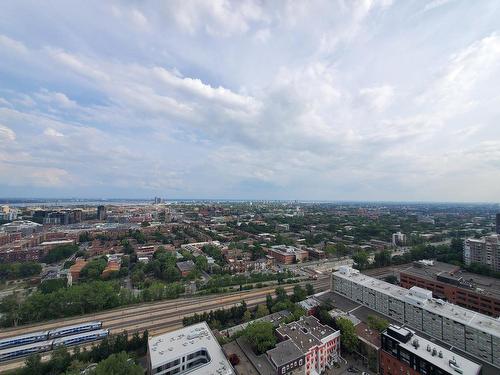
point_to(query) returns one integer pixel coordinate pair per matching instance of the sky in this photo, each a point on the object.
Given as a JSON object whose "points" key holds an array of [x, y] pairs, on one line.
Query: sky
{"points": [[317, 100]]}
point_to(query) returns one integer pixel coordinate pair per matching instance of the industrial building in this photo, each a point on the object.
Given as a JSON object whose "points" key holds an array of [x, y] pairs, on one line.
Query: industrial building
{"points": [[466, 330], [192, 350]]}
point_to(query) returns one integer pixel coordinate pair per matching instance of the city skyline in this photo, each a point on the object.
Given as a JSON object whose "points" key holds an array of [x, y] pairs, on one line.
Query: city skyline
{"points": [[324, 101]]}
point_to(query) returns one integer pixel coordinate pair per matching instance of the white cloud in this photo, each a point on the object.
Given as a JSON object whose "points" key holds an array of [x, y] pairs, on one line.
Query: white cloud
{"points": [[317, 100], [378, 98], [6, 134]]}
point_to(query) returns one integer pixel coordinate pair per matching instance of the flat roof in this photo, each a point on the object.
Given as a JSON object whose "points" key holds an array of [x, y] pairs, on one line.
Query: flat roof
{"points": [[284, 352], [462, 315], [441, 357], [177, 344], [306, 332], [485, 285]]}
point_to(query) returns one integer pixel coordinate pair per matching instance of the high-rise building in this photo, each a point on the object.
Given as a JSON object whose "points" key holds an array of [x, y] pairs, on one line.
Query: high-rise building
{"points": [[485, 250], [398, 239], [466, 330], [497, 222], [101, 213]]}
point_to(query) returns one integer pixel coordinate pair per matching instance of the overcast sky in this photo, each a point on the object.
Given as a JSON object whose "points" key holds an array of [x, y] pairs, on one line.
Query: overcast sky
{"points": [[326, 100]]}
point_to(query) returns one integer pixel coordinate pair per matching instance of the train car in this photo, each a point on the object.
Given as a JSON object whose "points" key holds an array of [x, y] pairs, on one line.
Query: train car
{"points": [[24, 350], [73, 330], [26, 339], [81, 338]]}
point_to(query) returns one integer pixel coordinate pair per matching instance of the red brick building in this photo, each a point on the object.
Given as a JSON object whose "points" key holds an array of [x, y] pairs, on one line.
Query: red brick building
{"points": [[448, 282]]}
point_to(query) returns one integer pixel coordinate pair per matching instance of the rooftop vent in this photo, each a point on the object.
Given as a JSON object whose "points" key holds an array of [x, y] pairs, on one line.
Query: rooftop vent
{"points": [[440, 355]]}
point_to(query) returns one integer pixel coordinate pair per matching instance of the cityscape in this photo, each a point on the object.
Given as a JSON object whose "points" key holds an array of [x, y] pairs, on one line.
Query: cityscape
{"points": [[250, 187], [250, 287]]}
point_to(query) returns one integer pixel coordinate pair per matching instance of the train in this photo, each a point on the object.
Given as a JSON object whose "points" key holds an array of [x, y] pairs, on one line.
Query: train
{"points": [[47, 345], [31, 338]]}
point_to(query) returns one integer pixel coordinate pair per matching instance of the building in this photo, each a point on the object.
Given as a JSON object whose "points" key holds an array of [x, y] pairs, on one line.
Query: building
{"points": [[398, 239], [101, 213], [404, 352], [185, 267], [112, 266], [318, 343], [288, 254], [310, 305], [192, 350], [469, 331], [497, 222], [450, 283], [315, 253], [286, 357], [485, 250], [76, 268]]}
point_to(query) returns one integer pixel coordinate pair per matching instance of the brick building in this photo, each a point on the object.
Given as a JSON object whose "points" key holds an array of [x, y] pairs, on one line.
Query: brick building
{"points": [[449, 282], [404, 352]]}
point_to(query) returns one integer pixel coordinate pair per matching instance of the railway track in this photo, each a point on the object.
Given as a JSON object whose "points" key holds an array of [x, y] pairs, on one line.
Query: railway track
{"points": [[157, 318]]}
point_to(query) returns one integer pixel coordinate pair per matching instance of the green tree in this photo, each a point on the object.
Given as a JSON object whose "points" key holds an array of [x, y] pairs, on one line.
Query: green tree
{"points": [[299, 294], [49, 286], [348, 337], [118, 364], [361, 259], [383, 258], [247, 316], [59, 253], [309, 289], [379, 324], [261, 311], [260, 335], [201, 263]]}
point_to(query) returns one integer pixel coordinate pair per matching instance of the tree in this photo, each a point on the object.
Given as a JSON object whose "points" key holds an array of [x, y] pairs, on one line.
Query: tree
{"points": [[201, 263], [247, 316], [269, 302], [309, 289], [261, 311], [299, 294], [118, 364], [33, 365], [348, 337], [59, 253], [260, 335], [383, 258], [379, 324], [361, 259], [49, 286]]}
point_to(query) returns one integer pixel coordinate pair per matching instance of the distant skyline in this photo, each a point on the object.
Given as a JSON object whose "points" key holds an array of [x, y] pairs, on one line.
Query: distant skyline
{"points": [[373, 100]]}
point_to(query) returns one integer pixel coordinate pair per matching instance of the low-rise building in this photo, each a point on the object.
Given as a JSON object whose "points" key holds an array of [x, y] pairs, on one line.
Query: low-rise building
{"points": [[192, 350], [318, 343], [185, 267]]}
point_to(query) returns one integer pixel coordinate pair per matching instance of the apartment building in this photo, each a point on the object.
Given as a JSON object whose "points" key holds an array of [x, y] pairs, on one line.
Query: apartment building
{"points": [[404, 352], [485, 250], [469, 331], [192, 350], [318, 345]]}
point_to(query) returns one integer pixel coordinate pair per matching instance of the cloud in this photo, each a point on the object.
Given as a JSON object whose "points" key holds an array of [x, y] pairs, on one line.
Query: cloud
{"points": [[6, 134], [378, 98], [299, 100]]}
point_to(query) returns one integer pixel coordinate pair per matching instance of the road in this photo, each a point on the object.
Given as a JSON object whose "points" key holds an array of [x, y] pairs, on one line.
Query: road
{"points": [[158, 317]]}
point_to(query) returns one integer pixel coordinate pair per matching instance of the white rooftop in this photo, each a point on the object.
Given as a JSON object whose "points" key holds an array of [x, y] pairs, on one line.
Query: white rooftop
{"points": [[177, 344], [439, 356], [460, 314]]}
